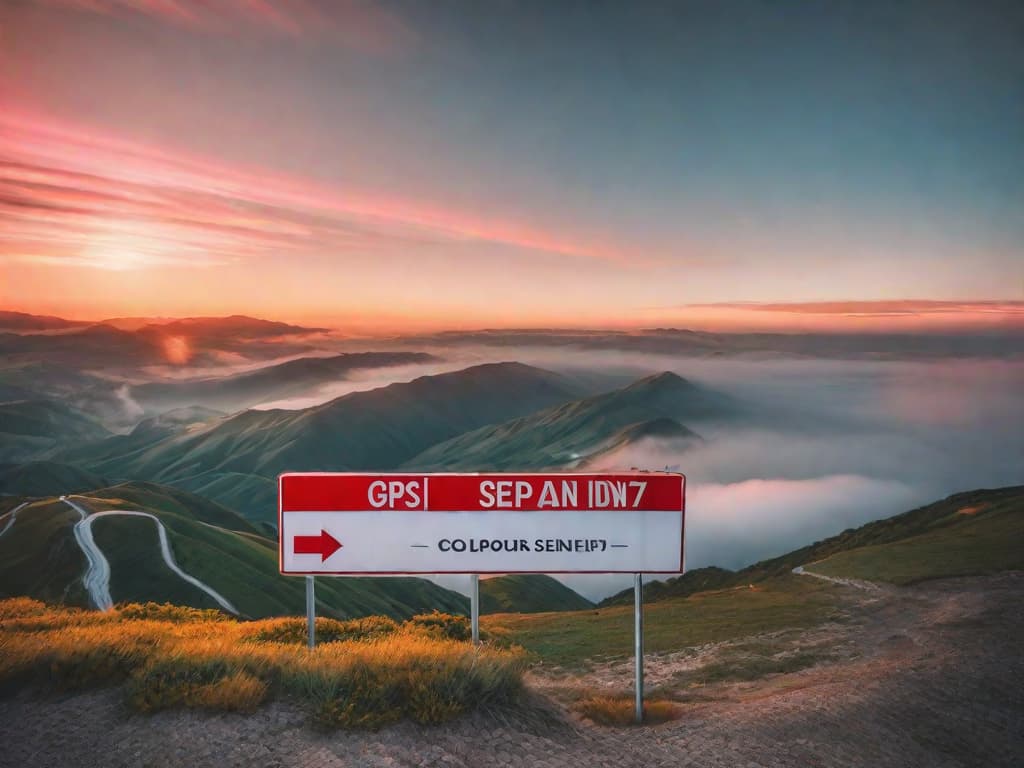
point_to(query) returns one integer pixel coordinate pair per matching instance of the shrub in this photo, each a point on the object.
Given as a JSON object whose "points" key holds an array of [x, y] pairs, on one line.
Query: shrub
{"points": [[240, 692], [178, 614], [212, 678], [294, 630], [72, 657], [442, 625], [364, 696], [372, 673], [22, 607], [370, 684], [607, 710]]}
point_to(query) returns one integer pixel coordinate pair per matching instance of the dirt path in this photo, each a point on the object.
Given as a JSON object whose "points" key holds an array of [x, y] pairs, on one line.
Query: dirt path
{"points": [[868, 586], [930, 676]]}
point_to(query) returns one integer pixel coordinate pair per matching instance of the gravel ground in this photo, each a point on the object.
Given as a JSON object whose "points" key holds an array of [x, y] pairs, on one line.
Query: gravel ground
{"points": [[937, 680]]}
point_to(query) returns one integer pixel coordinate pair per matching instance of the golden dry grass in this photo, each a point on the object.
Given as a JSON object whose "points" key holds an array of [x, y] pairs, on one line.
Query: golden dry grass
{"points": [[375, 672], [621, 710]]}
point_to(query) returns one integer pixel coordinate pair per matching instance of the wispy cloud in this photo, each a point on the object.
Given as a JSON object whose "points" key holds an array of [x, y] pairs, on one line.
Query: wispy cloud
{"points": [[70, 196], [890, 308], [358, 24]]}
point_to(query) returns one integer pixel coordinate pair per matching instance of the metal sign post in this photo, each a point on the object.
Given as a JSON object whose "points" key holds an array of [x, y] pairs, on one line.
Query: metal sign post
{"points": [[474, 606], [638, 640], [310, 611]]}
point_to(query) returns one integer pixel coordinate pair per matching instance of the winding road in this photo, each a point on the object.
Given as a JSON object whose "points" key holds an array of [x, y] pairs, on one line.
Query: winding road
{"points": [[97, 572], [14, 516]]}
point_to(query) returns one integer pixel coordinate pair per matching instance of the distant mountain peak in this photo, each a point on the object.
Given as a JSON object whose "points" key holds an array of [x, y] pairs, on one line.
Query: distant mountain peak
{"points": [[662, 427], [664, 381]]}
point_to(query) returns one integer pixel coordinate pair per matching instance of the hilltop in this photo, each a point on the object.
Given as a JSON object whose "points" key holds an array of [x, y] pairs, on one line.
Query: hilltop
{"points": [[567, 434]]}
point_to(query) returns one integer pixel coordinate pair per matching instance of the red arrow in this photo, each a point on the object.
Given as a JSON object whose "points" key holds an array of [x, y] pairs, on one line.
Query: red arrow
{"points": [[324, 545]]}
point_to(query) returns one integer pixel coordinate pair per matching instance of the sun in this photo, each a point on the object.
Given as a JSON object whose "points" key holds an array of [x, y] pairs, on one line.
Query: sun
{"points": [[177, 350]]}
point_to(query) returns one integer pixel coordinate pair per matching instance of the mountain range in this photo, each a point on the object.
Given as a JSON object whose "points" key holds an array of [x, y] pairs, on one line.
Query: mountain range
{"points": [[493, 416], [101, 345], [373, 430], [235, 392]]}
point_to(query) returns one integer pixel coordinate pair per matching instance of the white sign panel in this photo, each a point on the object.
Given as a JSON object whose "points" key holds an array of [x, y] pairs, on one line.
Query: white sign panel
{"points": [[339, 523]]}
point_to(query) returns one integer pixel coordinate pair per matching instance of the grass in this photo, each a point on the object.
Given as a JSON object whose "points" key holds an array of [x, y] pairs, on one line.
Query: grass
{"points": [[571, 639], [987, 540], [39, 556], [374, 672], [621, 710], [138, 570], [941, 516]]}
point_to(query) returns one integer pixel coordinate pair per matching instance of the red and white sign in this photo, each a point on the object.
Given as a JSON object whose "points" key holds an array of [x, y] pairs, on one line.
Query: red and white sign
{"points": [[345, 523]]}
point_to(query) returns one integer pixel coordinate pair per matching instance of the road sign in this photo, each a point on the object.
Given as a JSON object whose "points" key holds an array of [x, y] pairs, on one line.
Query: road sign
{"points": [[346, 523]]}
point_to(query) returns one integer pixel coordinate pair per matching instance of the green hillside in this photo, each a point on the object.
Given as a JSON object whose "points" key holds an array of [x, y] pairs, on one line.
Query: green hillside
{"points": [[689, 583], [528, 593], [373, 430], [564, 435], [254, 496], [40, 558], [145, 436], [46, 478], [967, 533], [31, 428], [163, 498], [988, 539]]}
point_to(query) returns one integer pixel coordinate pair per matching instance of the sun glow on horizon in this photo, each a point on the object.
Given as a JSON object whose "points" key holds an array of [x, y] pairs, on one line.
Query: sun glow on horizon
{"points": [[177, 349]]}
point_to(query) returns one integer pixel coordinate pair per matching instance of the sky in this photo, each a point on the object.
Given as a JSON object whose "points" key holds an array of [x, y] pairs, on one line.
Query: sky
{"points": [[411, 165]]}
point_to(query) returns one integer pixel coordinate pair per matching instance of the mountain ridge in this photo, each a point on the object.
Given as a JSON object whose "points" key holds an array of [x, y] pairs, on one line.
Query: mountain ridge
{"points": [[566, 434]]}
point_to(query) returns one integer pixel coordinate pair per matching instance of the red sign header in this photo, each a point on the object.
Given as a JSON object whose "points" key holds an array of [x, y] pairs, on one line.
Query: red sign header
{"points": [[339, 492]]}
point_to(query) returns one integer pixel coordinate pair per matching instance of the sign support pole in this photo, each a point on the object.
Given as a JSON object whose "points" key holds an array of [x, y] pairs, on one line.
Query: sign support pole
{"points": [[474, 606], [638, 632], [310, 612]]}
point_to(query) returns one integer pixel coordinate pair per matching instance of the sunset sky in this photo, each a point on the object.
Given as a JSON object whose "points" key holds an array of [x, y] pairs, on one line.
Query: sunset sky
{"points": [[776, 165]]}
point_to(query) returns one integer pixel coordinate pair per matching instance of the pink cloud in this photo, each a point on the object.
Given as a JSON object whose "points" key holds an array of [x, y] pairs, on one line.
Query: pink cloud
{"points": [[66, 189], [882, 308]]}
